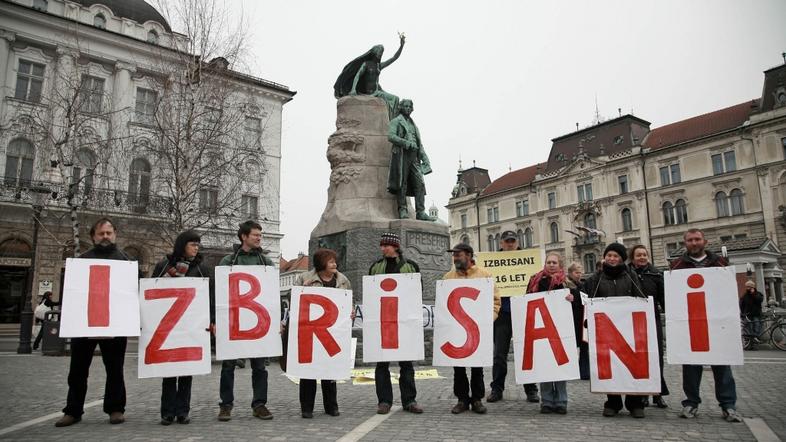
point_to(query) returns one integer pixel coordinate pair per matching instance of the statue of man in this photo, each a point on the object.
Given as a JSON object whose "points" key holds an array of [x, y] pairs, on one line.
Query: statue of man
{"points": [[361, 76], [408, 163]]}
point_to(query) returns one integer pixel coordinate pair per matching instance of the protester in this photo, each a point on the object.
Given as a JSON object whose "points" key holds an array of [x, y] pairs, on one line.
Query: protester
{"points": [[696, 256], [750, 310], [553, 395], [615, 279], [325, 274], [45, 306], [574, 283], [465, 268], [392, 261], [247, 253], [503, 332], [650, 280], [184, 261], [113, 349]]}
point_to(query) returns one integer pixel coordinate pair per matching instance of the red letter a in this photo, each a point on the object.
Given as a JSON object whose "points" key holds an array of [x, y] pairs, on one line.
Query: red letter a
{"points": [[246, 300], [465, 320], [608, 339], [307, 328], [548, 331]]}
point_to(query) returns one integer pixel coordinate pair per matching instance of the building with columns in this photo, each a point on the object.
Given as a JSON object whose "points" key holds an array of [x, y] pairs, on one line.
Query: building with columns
{"points": [[116, 55], [723, 172]]}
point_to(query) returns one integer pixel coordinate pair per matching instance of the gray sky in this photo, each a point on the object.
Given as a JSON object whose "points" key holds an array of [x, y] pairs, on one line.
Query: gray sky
{"points": [[495, 81]]}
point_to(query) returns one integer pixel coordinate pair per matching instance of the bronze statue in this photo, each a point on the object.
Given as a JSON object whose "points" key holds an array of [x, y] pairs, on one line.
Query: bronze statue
{"points": [[408, 163], [361, 77]]}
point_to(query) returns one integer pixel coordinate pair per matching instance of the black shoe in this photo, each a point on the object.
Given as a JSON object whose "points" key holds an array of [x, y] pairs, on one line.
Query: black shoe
{"points": [[659, 402], [545, 409], [307, 414], [561, 410], [645, 402], [183, 419], [333, 412], [167, 420], [532, 396], [478, 407], [609, 412], [637, 413], [494, 396]]}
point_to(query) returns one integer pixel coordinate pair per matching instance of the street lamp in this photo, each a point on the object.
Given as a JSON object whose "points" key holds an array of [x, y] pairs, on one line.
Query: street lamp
{"points": [[38, 197]]}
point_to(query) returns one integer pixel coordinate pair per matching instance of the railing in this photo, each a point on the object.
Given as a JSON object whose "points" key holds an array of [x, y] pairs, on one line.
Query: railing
{"points": [[85, 197]]}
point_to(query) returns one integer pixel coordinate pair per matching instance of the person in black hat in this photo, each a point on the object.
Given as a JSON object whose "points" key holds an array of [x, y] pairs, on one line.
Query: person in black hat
{"points": [[616, 279], [503, 332], [393, 262]]}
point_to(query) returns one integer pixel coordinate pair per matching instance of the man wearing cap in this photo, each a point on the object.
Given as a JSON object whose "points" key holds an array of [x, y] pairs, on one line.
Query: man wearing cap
{"points": [[503, 332], [393, 262], [464, 268], [750, 309]]}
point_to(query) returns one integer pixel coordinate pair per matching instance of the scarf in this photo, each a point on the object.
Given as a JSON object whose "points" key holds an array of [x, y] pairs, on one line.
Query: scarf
{"points": [[555, 279]]}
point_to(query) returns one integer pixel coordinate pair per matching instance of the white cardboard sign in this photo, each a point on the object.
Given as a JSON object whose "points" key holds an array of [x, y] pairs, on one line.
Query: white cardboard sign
{"points": [[100, 298], [623, 345], [463, 323], [703, 317], [544, 338], [393, 322], [248, 312], [175, 340], [320, 333]]}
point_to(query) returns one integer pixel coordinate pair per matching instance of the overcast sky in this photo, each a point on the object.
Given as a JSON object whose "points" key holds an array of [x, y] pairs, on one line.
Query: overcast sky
{"points": [[495, 81]]}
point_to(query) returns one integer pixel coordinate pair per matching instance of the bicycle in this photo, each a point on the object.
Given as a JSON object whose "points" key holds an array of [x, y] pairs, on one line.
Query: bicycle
{"points": [[775, 331]]}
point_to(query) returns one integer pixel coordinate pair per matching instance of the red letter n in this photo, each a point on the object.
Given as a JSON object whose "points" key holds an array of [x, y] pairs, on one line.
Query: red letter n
{"points": [[608, 339]]}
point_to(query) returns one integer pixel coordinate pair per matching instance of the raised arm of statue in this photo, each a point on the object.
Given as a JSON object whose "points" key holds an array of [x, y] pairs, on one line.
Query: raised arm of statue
{"points": [[395, 56], [354, 90]]}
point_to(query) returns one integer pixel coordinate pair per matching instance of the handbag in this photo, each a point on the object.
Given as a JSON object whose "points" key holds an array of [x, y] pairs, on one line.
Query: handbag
{"points": [[41, 311]]}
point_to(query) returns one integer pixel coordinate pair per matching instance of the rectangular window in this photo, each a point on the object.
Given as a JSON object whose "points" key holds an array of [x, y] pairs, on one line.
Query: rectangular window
{"points": [[29, 81], [249, 205], [580, 192], [552, 197], [623, 182], [525, 208], [496, 214], [518, 208], [490, 215], [675, 173], [146, 101], [741, 236], [725, 238], [783, 142], [730, 160], [722, 163], [671, 248], [212, 118], [208, 200], [664, 176], [253, 131], [717, 164], [463, 220], [584, 192], [92, 93]]}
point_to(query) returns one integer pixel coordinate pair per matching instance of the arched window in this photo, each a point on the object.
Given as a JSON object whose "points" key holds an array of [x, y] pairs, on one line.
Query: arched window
{"points": [[554, 230], [737, 204], [589, 221], [491, 243], [722, 204], [465, 239], [84, 169], [496, 242], [19, 162], [668, 213], [139, 183], [627, 220], [589, 263], [520, 236], [152, 36], [99, 21], [528, 242], [681, 212]]}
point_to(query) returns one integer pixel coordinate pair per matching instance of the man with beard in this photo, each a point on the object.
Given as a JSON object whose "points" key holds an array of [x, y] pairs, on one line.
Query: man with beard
{"points": [[113, 349], [503, 332], [696, 256], [465, 268]]}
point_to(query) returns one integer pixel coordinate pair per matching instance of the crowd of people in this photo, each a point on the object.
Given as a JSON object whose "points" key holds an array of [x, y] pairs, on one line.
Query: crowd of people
{"points": [[616, 276]]}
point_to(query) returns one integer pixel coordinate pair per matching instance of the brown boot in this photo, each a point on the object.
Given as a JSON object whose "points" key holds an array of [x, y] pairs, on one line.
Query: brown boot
{"points": [[116, 417], [263, 413], [67, 420], [225, 413]]}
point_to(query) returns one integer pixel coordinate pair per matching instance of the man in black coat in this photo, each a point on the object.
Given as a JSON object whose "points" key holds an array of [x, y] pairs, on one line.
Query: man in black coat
{"points": [[750, 309], [113, 350]]}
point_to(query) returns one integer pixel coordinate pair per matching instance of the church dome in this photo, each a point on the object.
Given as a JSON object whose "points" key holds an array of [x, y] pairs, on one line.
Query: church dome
{"points": [[138, 10]]}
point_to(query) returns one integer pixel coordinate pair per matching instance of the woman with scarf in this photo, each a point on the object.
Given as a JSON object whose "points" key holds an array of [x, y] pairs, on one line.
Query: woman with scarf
{"points": [[615, 279], [185, 261], [650, 280], [553, 395]]}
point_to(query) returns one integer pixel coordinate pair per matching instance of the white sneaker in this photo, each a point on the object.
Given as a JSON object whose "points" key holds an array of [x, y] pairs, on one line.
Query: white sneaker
{"points": [[731, 415], [689, 412]]}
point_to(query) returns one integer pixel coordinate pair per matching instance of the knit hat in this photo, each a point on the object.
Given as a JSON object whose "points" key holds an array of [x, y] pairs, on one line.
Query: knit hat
{"points": [[618, 248], [390, 239], [750, 284]]}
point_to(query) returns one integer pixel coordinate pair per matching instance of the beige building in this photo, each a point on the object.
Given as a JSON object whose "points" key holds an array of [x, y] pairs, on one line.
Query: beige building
{"points": [[723, 172], [116, 51]]}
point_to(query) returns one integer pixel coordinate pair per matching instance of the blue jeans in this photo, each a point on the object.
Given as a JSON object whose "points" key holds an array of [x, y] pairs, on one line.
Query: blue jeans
{"points": [[258, 382], [554, 394], [725, 388]]}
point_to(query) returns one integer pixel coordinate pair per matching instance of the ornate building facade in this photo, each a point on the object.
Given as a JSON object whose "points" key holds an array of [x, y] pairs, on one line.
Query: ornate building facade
{"points": [[723, 172], [108, 152]]}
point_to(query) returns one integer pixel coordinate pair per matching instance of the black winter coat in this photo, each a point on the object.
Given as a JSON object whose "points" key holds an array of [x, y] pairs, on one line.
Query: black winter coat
{"points": [[605, 284], [650, 280], [750, 304], [196, 269]]}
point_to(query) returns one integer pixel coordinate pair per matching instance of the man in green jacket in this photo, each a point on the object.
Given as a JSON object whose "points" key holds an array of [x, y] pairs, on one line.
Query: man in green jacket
{"points": [[247, 253], [393, 262]]}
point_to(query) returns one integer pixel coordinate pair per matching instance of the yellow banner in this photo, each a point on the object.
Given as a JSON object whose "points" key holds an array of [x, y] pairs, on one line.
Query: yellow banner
{"points": [[511, 270]]}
